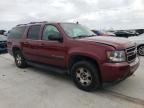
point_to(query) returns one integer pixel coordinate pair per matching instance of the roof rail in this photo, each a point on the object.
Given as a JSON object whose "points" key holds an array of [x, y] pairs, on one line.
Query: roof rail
{"points": [[21, 24], [37, 22], [32, 23]]}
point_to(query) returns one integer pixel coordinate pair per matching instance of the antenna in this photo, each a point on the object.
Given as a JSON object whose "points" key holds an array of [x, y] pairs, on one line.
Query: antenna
{"points": [[77, 22]]}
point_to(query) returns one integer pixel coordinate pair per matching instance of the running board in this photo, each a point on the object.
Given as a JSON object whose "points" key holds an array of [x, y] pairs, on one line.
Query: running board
{"points": [[48, 67]]}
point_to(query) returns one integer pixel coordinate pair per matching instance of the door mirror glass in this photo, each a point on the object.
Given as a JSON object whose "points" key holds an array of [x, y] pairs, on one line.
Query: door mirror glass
{"points": [[55, 37], [51, 33]]}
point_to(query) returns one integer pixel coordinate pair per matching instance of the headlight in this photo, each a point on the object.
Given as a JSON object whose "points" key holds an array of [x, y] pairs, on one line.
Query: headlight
{"points": [[116, 56]]}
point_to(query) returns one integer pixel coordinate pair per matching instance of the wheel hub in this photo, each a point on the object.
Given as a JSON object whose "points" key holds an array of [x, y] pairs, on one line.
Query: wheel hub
{"points": [[84, 76]]}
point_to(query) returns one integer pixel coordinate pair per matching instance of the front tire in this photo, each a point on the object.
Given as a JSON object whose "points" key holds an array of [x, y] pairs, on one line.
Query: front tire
{"points": [[85, 75], [19, 59], [141, 50]]}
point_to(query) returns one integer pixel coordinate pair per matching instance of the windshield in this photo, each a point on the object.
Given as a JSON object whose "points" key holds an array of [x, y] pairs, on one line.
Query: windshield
{"points": [[76, 30]]}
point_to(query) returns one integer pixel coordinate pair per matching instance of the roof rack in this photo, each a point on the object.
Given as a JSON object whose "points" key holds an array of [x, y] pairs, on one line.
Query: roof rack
{"points": [[37, 22], [21, 24], [32, 23]]}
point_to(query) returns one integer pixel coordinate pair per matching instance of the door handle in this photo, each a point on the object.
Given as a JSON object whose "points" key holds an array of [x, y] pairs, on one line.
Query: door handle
{"points": [[43, 44]]}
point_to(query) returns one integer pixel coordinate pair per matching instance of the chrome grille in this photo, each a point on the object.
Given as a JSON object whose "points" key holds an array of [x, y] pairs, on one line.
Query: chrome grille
{"points": [[131, 53]]}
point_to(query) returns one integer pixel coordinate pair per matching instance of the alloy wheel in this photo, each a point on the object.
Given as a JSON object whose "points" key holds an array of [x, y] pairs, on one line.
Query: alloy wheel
{"points": [[18, 59], [84, 76], [141, 50]]}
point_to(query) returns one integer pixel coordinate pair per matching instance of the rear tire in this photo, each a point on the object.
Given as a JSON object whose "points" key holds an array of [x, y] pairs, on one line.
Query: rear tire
{"points": [[19, 59], [85, 76], [141, 50]]}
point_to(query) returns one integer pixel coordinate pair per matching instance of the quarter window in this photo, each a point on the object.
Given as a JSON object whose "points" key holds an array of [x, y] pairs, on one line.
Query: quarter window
{"points": [[17, 32]]}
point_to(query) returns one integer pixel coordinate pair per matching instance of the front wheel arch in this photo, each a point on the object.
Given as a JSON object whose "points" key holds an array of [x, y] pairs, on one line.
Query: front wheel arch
{"points": [[76, 58]]}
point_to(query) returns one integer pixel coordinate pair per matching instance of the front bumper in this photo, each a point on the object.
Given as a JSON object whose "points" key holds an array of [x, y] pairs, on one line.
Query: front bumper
{"points": [[118, 71]]}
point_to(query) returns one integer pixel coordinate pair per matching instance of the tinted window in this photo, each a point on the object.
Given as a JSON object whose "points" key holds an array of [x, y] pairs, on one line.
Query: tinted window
{"points": [[49, 30], [33, 32], [16, 32]]}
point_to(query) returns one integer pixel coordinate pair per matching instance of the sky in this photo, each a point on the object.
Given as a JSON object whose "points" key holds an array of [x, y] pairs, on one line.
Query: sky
{"points": [[96, 14]]}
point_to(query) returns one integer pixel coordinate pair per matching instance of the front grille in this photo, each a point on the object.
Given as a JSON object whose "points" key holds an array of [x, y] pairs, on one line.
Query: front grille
{"points": [[131, 53]]}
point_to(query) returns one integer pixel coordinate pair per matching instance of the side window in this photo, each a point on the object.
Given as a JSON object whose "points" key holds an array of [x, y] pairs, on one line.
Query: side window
{"points": [[17, 32], [48, 31], [33, 32]]}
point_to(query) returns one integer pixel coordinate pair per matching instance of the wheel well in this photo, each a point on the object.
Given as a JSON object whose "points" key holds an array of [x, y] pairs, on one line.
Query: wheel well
{"points": [[77, 58], [15, 49], [140, 45]]}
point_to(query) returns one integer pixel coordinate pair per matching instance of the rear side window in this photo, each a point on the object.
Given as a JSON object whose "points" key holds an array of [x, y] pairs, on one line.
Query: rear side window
{"points": [[33, 32], [17, 32]]}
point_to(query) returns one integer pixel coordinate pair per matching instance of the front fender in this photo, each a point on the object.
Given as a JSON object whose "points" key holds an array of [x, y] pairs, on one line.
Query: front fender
{"points": [[87, 53]]}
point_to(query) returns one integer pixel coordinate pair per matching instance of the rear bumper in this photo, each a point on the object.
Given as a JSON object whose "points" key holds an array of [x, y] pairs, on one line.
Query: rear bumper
{"points": [[118, 71]]}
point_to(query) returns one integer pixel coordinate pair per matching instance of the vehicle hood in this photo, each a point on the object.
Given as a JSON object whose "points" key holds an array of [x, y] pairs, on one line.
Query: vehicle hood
{"points": [[3, 38], [116, 42], [137, 39]]}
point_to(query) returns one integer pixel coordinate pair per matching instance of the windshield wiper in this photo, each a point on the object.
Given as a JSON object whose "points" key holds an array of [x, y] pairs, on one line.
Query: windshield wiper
{"points": [[82, 36], [92, 35]]}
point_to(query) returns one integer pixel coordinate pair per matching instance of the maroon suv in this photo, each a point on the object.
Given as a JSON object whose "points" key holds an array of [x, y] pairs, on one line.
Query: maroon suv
{"points": [[73, 48]]}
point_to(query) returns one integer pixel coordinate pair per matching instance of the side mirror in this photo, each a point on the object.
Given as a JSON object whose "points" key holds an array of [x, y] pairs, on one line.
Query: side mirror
{"points": [[55, 37]]}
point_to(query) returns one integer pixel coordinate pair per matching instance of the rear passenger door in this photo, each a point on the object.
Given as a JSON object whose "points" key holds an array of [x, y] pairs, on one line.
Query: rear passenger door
{"points": [[31, 43]]}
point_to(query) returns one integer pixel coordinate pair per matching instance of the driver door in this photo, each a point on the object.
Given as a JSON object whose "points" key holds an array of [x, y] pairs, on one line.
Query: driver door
{"points": [[52, 52]]}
